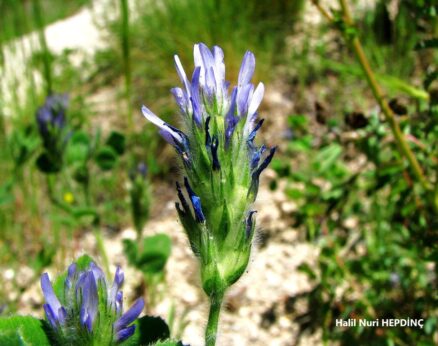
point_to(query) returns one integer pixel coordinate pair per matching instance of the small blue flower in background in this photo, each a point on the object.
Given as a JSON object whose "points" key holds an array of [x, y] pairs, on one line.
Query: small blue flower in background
{"points": [[51, 116], [52, 127], [140, 170], [222, 163], [90, 308]]}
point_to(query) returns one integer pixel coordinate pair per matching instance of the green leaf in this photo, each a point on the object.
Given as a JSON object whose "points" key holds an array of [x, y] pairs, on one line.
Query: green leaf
{"points": [[80, 137], [106, 158], [156, 250], [130, 250], [81, 174], [78, 149], [23, 331], [153, 257], [117, 141]]}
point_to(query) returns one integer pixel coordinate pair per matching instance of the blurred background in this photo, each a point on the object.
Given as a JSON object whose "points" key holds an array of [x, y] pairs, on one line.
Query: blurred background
{"points": [[344, 228]]}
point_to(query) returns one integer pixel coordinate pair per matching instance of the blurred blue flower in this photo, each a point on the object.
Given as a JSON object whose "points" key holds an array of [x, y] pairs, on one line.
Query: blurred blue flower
{"points": [[52, 114], [141, 169]]}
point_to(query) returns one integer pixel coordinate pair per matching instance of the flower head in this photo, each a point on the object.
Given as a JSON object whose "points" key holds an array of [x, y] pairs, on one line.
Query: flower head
{"points": [[51, 122], [222, 163], [51, 116], [89, 307]]}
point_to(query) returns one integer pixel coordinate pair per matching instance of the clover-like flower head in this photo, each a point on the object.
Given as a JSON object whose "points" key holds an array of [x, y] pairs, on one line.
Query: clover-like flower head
{"points": [[222, 163], [89, 310]]}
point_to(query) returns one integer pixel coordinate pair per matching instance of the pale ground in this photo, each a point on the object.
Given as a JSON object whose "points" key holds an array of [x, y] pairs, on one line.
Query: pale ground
{"points": [[272, 276]]}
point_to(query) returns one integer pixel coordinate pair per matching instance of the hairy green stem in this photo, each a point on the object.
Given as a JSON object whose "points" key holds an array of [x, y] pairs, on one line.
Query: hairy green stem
{"points": [[213, 319]]}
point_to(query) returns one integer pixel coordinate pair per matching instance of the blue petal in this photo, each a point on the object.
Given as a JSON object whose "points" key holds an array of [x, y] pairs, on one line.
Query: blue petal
{"points": [[230, 119], [210, 83], [87, 290], [130, 316], [86, 318], [114, 291], [256, 99], [161, 124], [204, 60], [180, 99], [119, 302], [119, 277], [182, 75], [50, 314], [97, 272], [246, 69], [49, 295], [218, 55], [125, 333], [196, 202], [244, 94], [195, 98]]}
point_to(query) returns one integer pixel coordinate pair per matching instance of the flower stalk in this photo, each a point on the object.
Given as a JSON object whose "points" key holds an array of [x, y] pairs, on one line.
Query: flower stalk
{"points": [[213, 319]]}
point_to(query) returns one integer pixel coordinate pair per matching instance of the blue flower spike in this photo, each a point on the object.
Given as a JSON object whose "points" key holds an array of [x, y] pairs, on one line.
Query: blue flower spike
{"points": [[52, 127], [90, 310], [221, 162]]}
